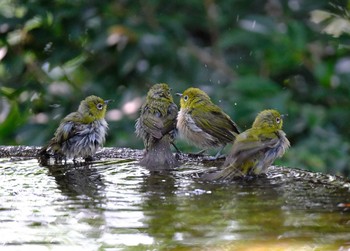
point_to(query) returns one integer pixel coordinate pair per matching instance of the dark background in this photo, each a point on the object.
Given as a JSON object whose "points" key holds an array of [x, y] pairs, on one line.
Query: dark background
{"points": [[247, 55]]}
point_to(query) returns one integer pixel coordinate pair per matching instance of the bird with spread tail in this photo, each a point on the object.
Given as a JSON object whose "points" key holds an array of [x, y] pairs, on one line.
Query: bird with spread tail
{"points": [[255, 149], [156, 126], [80, 134], [203, 123]]}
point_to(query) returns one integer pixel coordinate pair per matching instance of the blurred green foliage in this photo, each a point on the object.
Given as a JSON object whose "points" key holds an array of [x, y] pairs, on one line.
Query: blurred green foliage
{"points": [[247, 55]]}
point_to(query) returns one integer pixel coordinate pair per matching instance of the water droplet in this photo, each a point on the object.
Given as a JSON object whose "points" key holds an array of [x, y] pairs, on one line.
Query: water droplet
{"points": [[48, 47], [55, 105], [235, 103]]}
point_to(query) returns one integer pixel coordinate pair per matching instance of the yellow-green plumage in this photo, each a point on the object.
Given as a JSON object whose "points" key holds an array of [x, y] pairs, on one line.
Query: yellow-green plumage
{"points": [[203, 123], [255, 149], [157, 127], [80, 133]]}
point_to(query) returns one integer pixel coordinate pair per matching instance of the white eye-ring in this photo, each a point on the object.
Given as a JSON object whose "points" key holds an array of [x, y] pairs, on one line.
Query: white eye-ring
{"points": [[185, 98], [278, 120], [99, 106]]}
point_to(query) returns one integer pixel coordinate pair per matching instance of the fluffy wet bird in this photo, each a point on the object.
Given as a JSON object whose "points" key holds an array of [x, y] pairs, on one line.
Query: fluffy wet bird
{"points": [[80, 134], [202, 123], [255, 149], [156, 126]]}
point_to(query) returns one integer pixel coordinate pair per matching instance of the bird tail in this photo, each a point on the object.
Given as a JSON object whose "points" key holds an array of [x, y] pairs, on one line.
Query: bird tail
{"points": [[159, 156], [43, 155], [226, 174]]}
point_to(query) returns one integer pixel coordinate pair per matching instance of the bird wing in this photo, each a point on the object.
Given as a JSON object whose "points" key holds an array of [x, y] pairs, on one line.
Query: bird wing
{"points": [[153, 122], [249, 143], [68, 127], [217, 124], [169, 120]]}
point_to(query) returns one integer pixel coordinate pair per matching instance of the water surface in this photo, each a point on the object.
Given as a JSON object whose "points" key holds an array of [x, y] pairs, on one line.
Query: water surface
{"points": [[118, 205]]}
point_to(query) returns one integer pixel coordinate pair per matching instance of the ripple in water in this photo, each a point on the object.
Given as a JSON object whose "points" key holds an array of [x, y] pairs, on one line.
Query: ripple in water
{"points": [[117, 205]]}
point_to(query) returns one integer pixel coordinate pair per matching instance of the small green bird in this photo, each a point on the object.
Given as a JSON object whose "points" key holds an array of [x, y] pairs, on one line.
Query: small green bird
{"points": [[80, 133], [255, 149], [203, 123], [157, 127]]}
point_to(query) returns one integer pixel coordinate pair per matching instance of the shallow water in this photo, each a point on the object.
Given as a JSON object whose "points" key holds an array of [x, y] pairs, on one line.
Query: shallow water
{"points": [[118, 205]]}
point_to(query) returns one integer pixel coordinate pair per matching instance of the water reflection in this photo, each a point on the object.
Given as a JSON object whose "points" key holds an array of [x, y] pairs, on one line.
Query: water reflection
{"points": [[120, 205], [84, 187], [180, 212], [235, 211], [252, 206], [74, 180], [160, 205]]}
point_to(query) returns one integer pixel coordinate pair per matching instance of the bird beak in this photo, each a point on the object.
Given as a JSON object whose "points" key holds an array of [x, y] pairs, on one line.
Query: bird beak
{"points": [[284, 115], [108, 101], [178, 94]]}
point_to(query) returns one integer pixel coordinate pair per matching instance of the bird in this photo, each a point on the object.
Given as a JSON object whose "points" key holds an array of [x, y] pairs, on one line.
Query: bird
{"points": [[156, 126], [80, 133], [255, 149], [203, 123]]}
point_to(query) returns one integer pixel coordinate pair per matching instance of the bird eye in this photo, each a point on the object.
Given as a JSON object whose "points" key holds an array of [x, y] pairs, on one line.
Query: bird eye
{"points": [[185, 98], [99, 106], [278, 120]]}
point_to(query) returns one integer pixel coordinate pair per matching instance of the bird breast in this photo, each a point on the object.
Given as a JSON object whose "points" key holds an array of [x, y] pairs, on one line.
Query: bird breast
{"points": [[189, 130]]}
